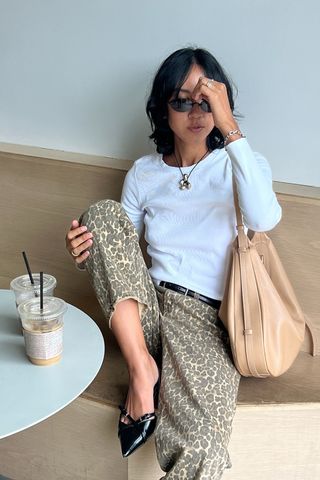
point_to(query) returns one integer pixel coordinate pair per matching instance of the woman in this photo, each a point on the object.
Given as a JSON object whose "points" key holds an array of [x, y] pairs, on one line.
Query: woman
{"points": [[166, 319]]}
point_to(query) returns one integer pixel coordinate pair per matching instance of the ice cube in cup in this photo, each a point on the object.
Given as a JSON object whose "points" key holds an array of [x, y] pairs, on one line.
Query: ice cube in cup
{"points": [[24, 290], [43, 329]]}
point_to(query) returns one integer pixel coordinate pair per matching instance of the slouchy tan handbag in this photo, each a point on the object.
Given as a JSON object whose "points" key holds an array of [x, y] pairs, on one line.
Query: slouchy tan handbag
{"points": [[264, 320]]}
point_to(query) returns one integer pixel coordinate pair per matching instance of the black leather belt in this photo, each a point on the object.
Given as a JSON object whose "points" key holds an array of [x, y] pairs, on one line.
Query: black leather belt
{"points": [[190, 293]]}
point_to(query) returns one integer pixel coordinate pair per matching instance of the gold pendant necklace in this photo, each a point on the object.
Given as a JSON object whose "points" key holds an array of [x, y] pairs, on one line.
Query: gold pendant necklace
{"points": [[184, 183]]}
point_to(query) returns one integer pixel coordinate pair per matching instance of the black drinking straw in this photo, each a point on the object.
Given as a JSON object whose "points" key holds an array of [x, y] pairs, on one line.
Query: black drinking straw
{"points": [[41, 291], [28, 267], [29, 272]]}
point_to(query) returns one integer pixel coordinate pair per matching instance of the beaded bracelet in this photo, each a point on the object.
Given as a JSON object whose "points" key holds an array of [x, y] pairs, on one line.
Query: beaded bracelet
{"points": [[233, 132]]}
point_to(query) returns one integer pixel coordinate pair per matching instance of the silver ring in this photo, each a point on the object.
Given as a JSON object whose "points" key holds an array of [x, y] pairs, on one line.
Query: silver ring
{"points": [[74, 254], [209, 82]]}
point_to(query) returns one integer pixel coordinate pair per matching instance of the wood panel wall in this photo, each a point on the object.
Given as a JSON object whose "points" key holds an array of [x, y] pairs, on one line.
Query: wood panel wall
{"points": [[38, 200]]}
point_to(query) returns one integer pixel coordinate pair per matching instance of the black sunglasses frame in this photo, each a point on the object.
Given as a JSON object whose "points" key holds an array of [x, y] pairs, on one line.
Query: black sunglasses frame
{"points": [[186, 105]]}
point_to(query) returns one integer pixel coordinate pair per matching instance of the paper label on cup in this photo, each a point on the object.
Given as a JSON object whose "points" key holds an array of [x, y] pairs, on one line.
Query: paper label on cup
{"points": [[44, 345]]}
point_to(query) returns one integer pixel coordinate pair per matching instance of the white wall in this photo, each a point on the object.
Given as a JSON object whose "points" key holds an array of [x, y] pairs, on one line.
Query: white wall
{"points": [[75, 74]]}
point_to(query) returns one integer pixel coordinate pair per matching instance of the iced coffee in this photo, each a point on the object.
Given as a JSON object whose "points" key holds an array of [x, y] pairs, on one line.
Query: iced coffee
{"points": [[43, 329]]}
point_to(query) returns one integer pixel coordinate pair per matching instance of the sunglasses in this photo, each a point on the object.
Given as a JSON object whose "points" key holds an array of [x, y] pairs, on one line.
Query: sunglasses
{"points": [[186, 105]]}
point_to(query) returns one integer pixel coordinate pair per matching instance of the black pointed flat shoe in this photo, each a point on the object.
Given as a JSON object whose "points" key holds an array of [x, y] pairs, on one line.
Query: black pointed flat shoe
{"points": [[134, 434]]}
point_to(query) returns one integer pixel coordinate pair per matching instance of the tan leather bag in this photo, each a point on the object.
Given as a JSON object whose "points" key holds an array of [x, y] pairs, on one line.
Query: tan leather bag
{"points": [[264, 320]]}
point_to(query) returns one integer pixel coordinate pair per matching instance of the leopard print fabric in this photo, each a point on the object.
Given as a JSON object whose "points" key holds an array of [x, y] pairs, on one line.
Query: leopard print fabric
{"points": [[198, 390], [117, 269], [199, 382]]}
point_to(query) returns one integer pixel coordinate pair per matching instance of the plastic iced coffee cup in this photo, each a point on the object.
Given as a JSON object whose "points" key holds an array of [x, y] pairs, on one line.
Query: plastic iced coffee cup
{"points": [[24, 290], [43, 329]]}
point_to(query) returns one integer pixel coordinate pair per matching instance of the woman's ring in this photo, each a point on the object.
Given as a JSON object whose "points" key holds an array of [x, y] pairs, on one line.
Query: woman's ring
{"points": [[74, 254], [209, 82]]}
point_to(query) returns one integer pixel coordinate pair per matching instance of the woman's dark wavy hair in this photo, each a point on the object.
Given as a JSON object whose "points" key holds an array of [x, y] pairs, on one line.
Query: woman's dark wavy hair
{"points": [[168, 80]]}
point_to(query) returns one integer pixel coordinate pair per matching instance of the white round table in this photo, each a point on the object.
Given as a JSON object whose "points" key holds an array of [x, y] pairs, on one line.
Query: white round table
{"points": [[30, 393]]}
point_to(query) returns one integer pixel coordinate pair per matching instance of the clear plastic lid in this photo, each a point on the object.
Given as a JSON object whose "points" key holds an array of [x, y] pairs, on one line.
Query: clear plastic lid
{"points": [[23, 283], [53, 308]]}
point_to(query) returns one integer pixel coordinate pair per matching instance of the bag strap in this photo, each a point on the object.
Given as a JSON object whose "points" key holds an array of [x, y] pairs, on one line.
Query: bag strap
{"points": [[243, 242], [236, 203], [315, 347]]}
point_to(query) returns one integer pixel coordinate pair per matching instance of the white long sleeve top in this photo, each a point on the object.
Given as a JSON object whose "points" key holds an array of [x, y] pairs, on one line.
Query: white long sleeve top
{"points": [[190, 232]]}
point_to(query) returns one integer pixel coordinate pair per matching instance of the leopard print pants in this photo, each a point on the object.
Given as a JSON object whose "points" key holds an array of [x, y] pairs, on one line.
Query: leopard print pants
{"points": [[199, 383]]}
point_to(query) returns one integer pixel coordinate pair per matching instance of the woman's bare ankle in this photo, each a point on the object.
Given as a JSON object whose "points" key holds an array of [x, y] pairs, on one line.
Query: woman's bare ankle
{"points": [[143, 368], [142, 378]]}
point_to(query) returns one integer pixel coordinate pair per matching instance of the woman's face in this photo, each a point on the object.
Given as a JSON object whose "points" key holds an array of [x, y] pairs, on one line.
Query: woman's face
{"points": [[190, 128]]}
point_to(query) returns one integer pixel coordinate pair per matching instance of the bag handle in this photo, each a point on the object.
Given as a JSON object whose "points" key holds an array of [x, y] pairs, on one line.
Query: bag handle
{"points": [[236, 203], [243, 240], [315, 347]]}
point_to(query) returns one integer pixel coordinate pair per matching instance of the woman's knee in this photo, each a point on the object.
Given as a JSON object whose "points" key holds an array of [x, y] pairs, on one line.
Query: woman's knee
{"points": [[99, 213]]}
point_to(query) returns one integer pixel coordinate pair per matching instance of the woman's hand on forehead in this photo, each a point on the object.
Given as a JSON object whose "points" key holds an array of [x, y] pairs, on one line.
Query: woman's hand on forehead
{"points": [[215, 93]]}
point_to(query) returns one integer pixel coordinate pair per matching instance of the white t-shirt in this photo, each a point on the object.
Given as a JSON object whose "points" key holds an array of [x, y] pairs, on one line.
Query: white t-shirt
{"points": [[190, 232]]}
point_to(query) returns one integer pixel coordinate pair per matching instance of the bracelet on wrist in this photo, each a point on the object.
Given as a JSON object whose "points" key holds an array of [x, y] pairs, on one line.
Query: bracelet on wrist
{"points": [[231, 133]]}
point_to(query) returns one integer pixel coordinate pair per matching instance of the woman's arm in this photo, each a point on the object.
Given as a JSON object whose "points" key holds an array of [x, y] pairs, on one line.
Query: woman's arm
{"points": [[258, 203]]}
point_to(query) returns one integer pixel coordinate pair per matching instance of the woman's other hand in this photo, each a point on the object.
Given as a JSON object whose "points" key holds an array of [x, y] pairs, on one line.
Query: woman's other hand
{"points": [[215, 93], [78, 241]]}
